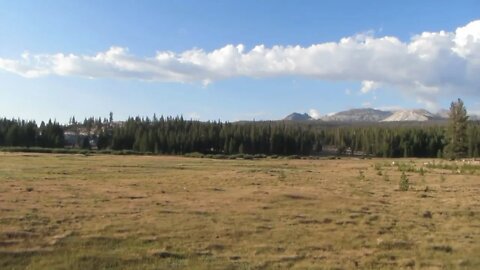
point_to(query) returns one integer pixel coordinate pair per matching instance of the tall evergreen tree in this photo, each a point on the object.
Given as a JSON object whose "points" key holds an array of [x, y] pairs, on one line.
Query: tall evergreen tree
{"points": [[457, 131]]}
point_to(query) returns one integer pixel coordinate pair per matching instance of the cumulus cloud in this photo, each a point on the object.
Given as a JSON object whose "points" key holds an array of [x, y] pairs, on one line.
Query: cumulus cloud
{"points": [[315, 114], [426, 66], [368, 86]]}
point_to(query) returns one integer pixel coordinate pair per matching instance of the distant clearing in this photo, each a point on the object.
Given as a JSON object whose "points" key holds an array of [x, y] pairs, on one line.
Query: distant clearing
{"points": [[154, 212]]}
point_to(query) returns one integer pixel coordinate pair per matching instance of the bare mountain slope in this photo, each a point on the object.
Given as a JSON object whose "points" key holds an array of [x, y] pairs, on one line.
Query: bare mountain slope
{"points": [[411, 115], [358, 115], [298, 117]]}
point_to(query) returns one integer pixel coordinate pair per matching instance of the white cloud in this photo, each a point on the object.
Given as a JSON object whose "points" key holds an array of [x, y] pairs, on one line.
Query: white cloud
{"points": [[429, 65], [368, 86], [315, 114], [428, 104]]}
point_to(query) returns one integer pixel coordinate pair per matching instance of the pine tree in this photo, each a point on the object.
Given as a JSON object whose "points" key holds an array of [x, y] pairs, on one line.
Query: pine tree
{"points": [[457, 131], [86, 143]]}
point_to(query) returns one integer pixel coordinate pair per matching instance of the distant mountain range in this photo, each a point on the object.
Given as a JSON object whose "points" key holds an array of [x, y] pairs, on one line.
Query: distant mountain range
{"points": [[374, 115], [412, 115], [298, 117], [357, 115]]}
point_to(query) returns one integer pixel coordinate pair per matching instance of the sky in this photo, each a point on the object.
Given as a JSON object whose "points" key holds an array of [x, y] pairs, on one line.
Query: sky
{"points": [[235, 60]]}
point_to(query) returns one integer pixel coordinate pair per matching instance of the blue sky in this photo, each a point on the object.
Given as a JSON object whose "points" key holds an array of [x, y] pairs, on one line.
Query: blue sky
{"points": [[40, 88]]}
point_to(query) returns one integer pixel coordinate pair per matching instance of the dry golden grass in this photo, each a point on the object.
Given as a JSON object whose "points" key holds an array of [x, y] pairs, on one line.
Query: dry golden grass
{"points": [[152, 212]]}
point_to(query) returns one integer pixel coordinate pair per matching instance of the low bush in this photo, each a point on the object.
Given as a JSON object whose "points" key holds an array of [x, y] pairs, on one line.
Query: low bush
{"points": [[404, 184]]}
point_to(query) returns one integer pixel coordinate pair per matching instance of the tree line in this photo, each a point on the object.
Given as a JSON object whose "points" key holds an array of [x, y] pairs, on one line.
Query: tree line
{"points": [[175, 135], [23, 133]]}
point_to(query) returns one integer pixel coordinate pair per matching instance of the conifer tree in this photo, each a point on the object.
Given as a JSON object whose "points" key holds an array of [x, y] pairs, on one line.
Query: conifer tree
{"points": [[457, 131]]}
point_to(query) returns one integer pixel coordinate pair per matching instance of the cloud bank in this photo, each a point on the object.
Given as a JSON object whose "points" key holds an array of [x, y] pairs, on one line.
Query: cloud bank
{"points": [[428, 65]]}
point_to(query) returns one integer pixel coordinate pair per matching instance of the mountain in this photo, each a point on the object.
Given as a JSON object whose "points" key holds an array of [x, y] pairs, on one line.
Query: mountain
{"points": [[298, 117], [412, 115], [374, 115], [358, 115], [443, 113], [474, 117]]}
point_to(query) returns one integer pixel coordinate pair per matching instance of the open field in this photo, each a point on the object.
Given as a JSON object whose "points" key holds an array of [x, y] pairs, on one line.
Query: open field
{"points": [[152, 212]]}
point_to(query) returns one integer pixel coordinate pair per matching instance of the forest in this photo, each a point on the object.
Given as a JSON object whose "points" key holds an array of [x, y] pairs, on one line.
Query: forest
{"points": [[175, 135], [23, 133]]}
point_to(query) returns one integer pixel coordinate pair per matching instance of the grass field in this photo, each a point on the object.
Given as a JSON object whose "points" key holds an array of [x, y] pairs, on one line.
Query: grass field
{"points": [[153, 212]]}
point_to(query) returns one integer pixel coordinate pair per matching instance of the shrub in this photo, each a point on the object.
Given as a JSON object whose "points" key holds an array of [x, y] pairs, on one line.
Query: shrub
{"points": [[361, 175], [194, 155], [404, 183], [406, 167]]}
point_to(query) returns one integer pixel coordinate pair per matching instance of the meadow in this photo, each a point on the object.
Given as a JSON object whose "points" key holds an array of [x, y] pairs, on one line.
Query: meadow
{"points": [[66, 211]]}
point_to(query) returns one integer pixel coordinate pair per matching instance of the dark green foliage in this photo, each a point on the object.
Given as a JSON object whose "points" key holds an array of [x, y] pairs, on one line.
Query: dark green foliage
{"points": [[179, 136], [103, 140], [86, 143], [458, 141], [174, 135], [28, 134], [387, 141]]}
